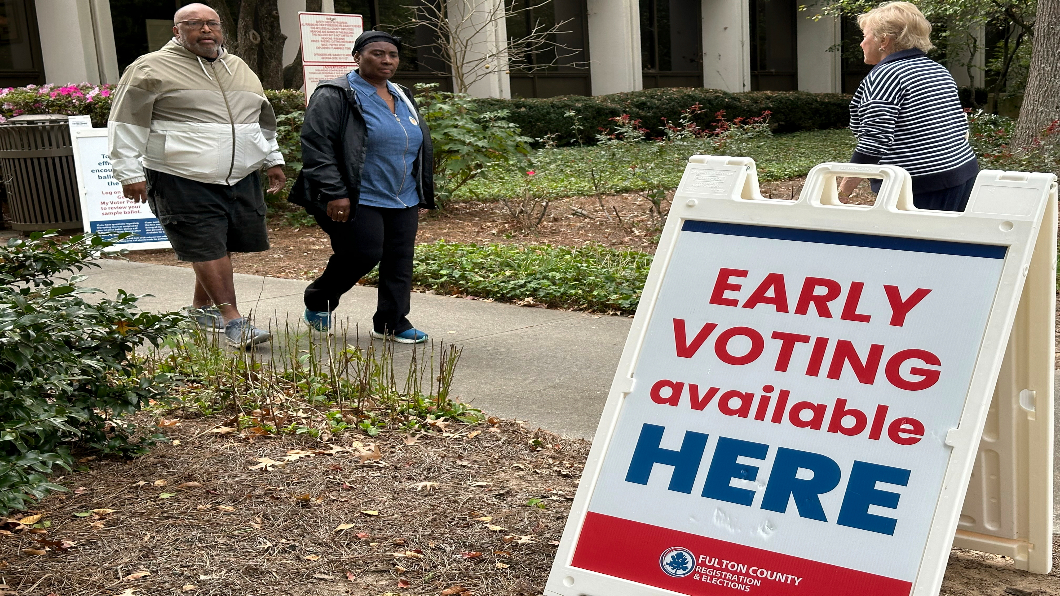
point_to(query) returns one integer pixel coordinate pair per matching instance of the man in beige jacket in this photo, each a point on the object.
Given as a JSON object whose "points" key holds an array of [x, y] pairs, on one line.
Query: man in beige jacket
{"points": [[198, 119]]}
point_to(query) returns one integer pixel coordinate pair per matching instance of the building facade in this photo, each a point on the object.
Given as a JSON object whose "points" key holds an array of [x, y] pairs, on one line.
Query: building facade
{"points": [[609, 45]]}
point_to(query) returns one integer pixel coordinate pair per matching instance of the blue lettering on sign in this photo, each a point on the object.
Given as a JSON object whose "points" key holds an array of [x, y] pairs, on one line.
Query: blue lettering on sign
{"points": [[784, 484]]}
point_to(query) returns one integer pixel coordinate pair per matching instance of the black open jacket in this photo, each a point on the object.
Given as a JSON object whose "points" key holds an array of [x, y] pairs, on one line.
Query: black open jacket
{"points": [[332, 161]]}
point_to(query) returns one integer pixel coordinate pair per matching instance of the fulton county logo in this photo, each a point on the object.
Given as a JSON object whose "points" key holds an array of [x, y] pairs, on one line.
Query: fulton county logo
{"points": [[677, 561]]}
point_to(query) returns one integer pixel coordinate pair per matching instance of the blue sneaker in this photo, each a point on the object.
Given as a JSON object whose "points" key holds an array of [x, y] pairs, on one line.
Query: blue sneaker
{"points": [[318, 320], [408, 336]]}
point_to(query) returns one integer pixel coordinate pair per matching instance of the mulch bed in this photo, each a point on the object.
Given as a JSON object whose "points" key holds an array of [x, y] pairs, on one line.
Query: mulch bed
{"points": [[472, 509]]}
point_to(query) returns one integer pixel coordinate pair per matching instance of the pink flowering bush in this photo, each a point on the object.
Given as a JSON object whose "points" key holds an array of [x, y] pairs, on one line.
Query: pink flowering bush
{"points": [[73, 100]]}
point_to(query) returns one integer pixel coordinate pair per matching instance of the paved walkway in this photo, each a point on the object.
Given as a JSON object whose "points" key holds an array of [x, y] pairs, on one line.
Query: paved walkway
{"points": [[547, 367]]}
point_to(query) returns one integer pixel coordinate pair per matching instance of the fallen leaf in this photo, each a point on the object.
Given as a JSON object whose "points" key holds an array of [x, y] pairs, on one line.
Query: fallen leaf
{"points": [[410, 440], [103, 511], [323, 576], [371, 513], [227, 508], [30, 520], [484, 518], [471, 555], [350, 576], [312, 557], [481, 484], [138, 575], [266, 464], [495, 528], [83, 514], [166, 495], [524, 540], [366, 455], [175, 443], [140, 483], [34, 551], [171, 422], [98, 525], [403, 583], [342, 527], [424, 486], [493, 420], [188, 587], [296, 454], [160, 483], [453, 590], [502, 565], [128, 592], [363, 535], [439, 424], [80, 490], [222, 430], [473, 434], [189, 485]]}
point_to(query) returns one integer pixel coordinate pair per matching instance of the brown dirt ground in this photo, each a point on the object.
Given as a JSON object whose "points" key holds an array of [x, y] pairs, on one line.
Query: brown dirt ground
{"points": [[192, 517]]}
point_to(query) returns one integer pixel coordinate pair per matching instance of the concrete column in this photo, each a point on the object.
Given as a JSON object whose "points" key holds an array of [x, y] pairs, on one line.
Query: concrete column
{"points": [[289, 10], [726, 45], [68, 41], [958, 67], [614, 46], [480, 40], [103, 28], [820, 71]]}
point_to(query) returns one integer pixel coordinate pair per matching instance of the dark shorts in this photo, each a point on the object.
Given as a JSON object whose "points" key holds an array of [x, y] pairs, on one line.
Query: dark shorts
{"points": [[205, 222]]}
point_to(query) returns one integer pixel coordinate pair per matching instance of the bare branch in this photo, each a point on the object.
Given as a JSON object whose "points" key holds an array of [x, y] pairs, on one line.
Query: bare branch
{"points": [[462, 31]]}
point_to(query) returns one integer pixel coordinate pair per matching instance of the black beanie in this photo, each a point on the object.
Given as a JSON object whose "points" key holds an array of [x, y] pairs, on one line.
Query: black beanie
{"points": [[373, 36]]}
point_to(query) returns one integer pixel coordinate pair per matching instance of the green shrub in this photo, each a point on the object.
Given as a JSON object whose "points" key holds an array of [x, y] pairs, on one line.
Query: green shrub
{"points": [[67, 365], [790, 110], [592, 278], [466, 141], [285, 101], [990, 135]]}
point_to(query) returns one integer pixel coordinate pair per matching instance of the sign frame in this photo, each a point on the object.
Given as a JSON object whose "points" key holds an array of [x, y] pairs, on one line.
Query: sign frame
{"points": [[77, 136], [731, 196]]}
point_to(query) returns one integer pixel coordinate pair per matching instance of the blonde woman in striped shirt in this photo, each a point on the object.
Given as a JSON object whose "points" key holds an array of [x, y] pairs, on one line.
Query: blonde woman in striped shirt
{"points": [[906, 111]]}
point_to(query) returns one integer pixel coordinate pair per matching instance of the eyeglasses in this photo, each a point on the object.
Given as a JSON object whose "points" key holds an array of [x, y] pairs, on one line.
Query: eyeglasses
{"points": [[197, 24]]}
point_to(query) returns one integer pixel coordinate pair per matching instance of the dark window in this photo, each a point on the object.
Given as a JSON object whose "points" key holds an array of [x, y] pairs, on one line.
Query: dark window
{"points": [[560, 68], [774, 51], [671, 43], [420, 61], [137, 21], [853, 59], [20, 57]]}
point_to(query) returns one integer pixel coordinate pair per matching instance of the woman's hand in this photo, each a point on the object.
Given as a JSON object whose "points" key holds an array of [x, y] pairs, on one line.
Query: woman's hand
{"points": [[847, 186], [339, 209]]}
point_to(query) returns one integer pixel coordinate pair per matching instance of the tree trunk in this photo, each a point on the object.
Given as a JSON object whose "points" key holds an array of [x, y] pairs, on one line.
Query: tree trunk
{"points": [[292, 73], [272, 40], [1041, 100], [249, 37]]}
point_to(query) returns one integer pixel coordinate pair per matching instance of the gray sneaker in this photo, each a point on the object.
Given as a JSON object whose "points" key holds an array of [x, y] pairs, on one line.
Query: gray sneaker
{"points": [[208, 318], [239, 333]]}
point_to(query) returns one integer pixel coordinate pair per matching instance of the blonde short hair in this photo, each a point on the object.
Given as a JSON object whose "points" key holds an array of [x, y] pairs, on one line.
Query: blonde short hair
{"points": [[902, 22]]}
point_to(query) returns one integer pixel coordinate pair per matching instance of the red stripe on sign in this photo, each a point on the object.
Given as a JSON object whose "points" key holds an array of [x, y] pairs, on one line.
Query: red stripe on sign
{"points": [[697, 565]]}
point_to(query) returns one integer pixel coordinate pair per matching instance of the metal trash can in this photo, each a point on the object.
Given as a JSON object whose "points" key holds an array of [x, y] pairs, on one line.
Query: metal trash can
{"points": [[37, 163]]}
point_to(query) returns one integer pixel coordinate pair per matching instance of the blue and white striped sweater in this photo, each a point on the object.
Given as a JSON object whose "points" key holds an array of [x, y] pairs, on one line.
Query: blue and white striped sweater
{"points": [[906, 113]]}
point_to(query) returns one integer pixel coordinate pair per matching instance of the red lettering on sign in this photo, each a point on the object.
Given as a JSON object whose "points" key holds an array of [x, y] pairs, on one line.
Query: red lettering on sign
{"points": [[778, 298], [809, 296], [723, 285], [900, 308]]}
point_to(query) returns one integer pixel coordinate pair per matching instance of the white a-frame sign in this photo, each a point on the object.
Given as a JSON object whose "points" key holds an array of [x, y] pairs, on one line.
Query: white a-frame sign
{"points": [[799, 406]]}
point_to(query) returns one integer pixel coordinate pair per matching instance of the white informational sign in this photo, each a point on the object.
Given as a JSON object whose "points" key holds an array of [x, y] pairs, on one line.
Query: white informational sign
{"points": [[104, 208], [327, 45], [800, 399], [316, 73]]}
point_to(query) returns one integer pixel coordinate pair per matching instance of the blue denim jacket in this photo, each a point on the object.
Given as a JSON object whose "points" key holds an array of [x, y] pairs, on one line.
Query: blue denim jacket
{"points": [[388, 179]]}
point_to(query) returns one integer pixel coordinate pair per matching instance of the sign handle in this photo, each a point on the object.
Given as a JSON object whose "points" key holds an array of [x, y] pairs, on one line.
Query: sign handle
{"points": [[896, 193]]}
